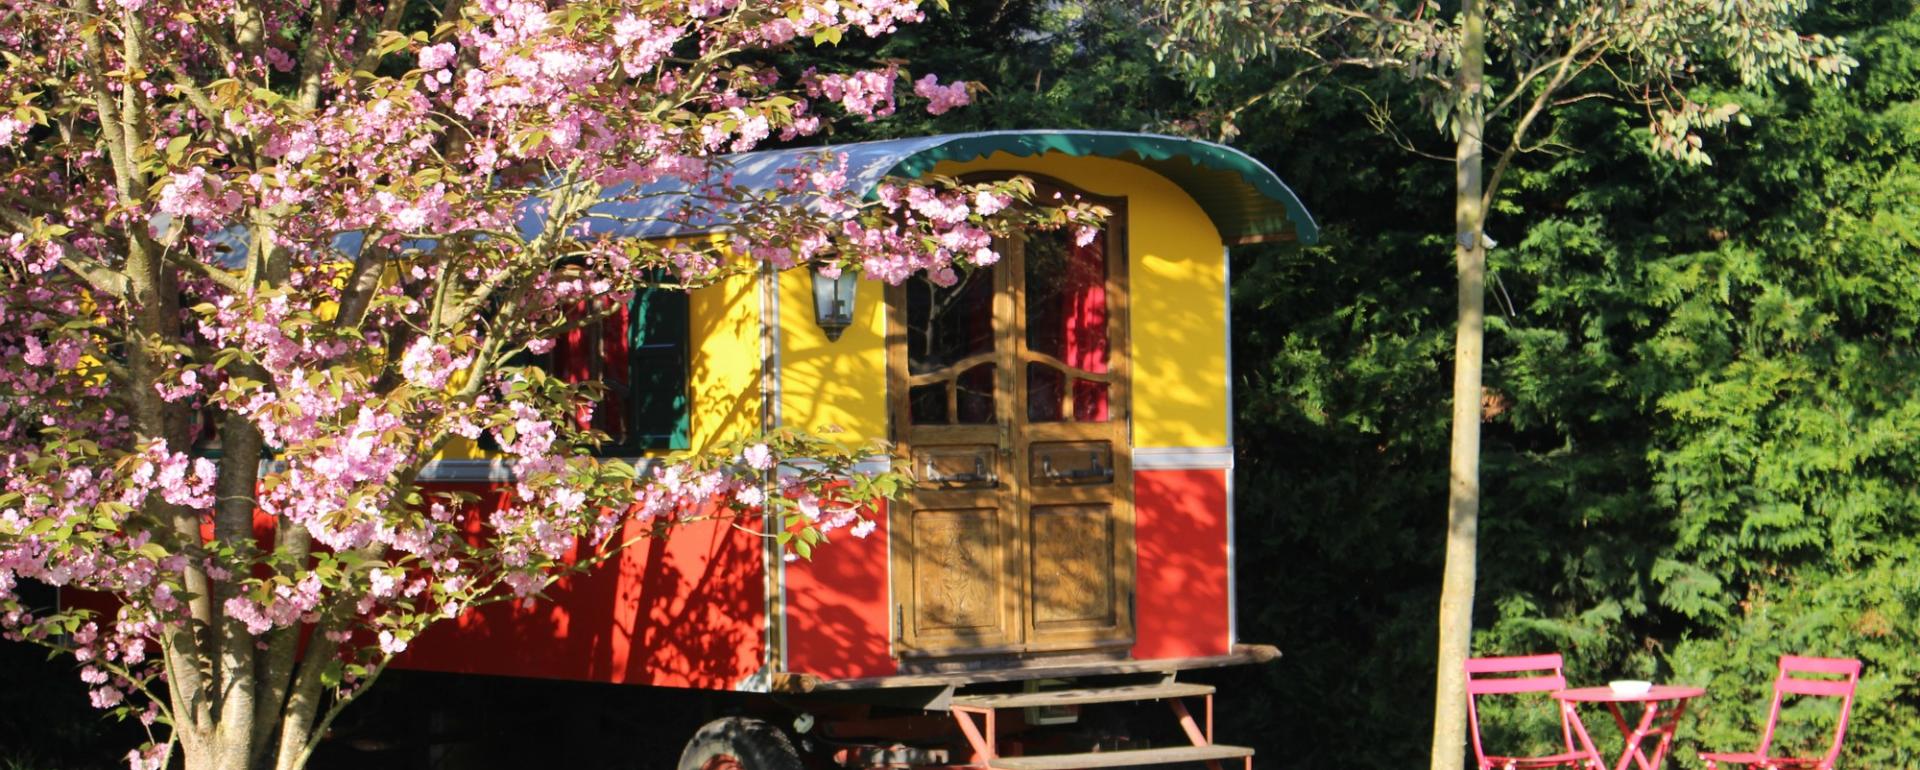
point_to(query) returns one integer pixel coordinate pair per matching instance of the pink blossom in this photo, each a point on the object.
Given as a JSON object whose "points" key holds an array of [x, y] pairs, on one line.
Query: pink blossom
{"points": [[867, 93], [194, 193], [105, 697], [986, 203], [149, 758], [12, 130], [435, 57], [941, 98], [758, 457], [429, 364], [188, 385]]}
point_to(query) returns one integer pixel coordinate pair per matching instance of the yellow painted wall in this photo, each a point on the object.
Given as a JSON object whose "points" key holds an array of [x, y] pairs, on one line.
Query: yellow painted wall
{"points": [[1178, 291], [723, 374], [836, 389]]}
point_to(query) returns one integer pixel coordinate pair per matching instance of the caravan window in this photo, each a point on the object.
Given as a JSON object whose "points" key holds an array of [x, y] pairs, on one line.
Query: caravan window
{"points": [[640, 352]]}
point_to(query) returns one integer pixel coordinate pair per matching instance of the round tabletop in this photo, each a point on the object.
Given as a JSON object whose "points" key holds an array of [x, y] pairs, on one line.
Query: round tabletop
{"points": [[1610, 695]]}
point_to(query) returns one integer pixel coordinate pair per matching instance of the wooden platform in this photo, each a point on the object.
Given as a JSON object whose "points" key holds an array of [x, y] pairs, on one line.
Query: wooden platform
{"points": [[1014, 670], [1130, 758], [1076, 697]]}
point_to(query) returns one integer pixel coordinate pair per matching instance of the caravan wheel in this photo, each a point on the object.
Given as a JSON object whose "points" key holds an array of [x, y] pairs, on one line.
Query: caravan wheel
{"points": [[739, 743]]}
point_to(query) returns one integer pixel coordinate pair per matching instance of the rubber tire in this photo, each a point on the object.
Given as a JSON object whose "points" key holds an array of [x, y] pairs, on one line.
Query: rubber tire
{"points": [[751, 743]]}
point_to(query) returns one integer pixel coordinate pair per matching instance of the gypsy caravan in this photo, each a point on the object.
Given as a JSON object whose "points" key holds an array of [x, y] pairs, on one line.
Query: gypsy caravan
{"points": [[1067, 414]]}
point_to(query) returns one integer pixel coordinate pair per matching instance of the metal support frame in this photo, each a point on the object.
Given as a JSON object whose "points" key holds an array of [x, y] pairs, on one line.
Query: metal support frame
{"points": [[1571, 716], [1650, 726], [984, 748], [981, 735], [1194, 732]]}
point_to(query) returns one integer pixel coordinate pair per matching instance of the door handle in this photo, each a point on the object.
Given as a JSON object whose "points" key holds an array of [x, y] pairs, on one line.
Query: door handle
{"points": [[980, 475], [1095, 470]]}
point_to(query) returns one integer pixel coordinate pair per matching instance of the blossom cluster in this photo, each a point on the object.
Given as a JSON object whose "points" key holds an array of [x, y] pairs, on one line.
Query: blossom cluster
{"points": [[291, 274]]}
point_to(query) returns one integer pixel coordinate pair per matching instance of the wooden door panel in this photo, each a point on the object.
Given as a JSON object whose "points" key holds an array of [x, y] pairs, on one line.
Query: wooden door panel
{"points": [[962, 592], [1073, 574], [1009, 398]]}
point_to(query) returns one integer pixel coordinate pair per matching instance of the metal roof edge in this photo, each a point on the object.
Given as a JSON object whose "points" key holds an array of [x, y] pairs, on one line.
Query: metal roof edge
{"points": [[1149, 148]]}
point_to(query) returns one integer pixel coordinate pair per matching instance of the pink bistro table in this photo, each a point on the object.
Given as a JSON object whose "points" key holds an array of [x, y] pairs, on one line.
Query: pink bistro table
{"points": [[1655, 721]]}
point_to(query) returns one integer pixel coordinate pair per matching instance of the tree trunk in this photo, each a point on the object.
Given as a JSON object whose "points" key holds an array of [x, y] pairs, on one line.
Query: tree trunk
{"points": [[1463, 482]]}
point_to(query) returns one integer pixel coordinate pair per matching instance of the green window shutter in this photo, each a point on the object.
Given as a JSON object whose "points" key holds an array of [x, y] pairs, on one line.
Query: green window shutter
{"points": [[657, 357]]}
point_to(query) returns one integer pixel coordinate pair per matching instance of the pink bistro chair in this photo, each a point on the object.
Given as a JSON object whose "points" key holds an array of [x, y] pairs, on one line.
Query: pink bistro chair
{"points": [[1529, 673], [1785, 684]]}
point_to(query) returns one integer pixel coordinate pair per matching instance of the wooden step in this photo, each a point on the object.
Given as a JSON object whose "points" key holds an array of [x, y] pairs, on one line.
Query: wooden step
{"points": [[1128, 758], [1075, 697]]}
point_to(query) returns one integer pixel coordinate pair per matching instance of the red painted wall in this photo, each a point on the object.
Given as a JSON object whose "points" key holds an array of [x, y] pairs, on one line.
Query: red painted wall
{"points": [[690, 610], [685, 611], [1180, 525], [837, 614]]}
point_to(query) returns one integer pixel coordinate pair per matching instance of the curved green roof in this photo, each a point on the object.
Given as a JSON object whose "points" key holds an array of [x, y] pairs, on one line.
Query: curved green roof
{"points": [[1246, 201]]}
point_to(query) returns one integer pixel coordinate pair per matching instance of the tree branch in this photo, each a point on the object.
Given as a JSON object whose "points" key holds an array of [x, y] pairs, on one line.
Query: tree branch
{"points": [[103, 279], [316, 47], [1541, 101], [303, 704], [239, 476], [361, 285], [274, 674], [225, 279]]}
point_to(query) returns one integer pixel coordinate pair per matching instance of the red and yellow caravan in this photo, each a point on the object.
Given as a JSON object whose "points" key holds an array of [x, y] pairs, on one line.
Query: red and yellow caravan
{"points": [[1068, 415]]}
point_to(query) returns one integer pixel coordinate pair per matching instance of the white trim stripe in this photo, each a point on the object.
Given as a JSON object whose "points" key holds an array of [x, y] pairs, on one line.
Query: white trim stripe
{"points": [[500, 470], [1233, 585], [1182, 458]]}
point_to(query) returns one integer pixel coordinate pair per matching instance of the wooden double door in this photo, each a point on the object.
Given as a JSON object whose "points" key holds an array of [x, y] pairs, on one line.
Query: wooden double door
{"points": [[1009, 394]]}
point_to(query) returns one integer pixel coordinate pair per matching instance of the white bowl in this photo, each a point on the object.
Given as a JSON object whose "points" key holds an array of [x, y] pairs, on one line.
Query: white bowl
{"points": [[1630, 686]]}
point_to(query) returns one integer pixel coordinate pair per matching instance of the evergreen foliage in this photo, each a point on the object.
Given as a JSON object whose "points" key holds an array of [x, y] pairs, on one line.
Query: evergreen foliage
{"points": [[1703, 412], [1700, 448]]}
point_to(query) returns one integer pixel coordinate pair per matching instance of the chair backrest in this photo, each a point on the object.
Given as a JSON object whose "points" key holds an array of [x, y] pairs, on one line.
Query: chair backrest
{"points": [[1528, 673], [1786, 683]]}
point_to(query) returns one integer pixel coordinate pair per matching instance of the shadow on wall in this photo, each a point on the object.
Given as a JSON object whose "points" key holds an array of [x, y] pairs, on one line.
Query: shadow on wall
{"points": [[686, 610], [837, 613]]}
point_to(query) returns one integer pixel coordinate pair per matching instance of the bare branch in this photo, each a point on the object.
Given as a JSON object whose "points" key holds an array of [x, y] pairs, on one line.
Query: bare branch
{"points": [[102, 278], [1561, 76], [318, 38], [224, 278]]}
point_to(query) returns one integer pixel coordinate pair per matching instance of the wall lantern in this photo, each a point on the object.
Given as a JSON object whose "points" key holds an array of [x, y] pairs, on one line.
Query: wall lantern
{"points": [[833, 301]]}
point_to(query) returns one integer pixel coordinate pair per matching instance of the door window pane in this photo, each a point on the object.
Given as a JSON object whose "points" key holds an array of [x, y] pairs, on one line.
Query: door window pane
{"points": [[929, 404], [974, 401], [1066, 299], [1089, 401], [1046, 388], [946, 324]]}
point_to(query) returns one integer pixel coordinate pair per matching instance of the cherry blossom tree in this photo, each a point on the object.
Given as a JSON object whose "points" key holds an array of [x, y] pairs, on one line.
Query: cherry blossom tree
{"points": [[266, 258]]}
